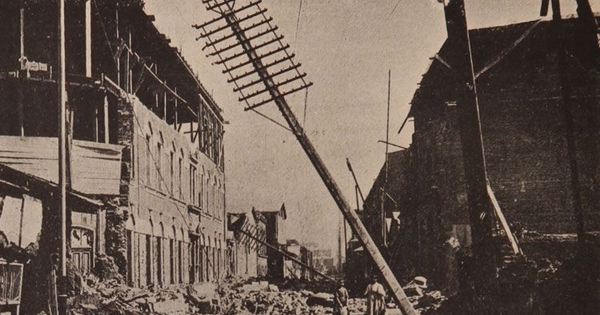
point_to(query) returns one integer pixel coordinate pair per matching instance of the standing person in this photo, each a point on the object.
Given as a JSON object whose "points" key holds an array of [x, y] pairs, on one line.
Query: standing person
{"points": [[340, 300], [375, 294]]}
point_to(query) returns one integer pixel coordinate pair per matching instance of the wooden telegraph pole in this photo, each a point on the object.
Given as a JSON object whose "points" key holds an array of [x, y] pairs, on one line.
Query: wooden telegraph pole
{"points": [[261, 69], [62, 159], [482, 278]]}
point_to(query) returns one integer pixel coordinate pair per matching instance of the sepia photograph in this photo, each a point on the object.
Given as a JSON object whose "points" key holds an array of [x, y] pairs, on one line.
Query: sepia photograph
{"points": [[299, 157]]}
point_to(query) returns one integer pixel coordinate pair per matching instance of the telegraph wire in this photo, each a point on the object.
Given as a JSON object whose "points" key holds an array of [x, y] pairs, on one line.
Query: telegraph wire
{"points": [[298, 19], [395, 7]]}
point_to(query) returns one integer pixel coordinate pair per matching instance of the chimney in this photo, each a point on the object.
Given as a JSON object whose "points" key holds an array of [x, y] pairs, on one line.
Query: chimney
{"points": [[456, 22]]}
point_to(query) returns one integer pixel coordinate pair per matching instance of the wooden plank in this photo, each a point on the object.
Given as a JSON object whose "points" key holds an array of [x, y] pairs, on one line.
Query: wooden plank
{"points": [[96, 166], [511, 238]]}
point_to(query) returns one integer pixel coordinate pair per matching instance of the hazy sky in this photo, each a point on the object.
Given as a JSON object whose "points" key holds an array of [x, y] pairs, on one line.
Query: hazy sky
{"points": [[346, 47]]}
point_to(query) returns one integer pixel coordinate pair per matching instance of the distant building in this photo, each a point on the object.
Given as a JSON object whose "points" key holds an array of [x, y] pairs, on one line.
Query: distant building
{"points": [[324, 261], [386, 207], [243, 252], [293, 270], [269, 221]]}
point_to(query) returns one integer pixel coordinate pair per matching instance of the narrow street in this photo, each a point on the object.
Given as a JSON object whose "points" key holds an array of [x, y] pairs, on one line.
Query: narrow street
{"points": [[194, 157], [230, 297]]}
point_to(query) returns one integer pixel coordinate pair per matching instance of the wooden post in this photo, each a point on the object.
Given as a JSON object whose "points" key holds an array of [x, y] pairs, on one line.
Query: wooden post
{"points": [[156, 103], [165, 92], [128, 84], [355, 223], [199, 132], [118, 36], [106, 122], [62, 158], [100, 227], [483, 279], [387, 168], [21, 108], [88, 38], [70, 122], [96, 124], [22, 31], [176, 118], [21, 221], [20, 105]]}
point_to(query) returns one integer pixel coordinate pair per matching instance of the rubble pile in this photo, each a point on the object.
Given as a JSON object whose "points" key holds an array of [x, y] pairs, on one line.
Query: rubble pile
{"points": [[105, 297], [264, 298], [260, 297], [430, 301], [114, 297]]}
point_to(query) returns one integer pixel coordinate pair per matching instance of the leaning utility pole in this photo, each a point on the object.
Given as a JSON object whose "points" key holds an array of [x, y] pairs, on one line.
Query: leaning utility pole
{"points": [[483, 275], [260, 67]]}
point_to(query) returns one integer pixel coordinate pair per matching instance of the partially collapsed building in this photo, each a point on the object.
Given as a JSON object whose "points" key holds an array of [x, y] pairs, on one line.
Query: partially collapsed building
{"points": [[539, 120], [146, 169]]}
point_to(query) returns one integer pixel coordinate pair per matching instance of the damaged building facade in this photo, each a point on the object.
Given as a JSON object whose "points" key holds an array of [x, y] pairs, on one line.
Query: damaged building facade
{"points": [[243, 255], [537, 91], [145, 140]]}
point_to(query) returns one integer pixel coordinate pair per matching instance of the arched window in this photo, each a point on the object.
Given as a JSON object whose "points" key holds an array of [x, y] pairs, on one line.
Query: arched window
{"points": [[161, 228], [173, 265], [208, 201], [148, 261], [148, 155], [193, 184], [158, 159], [219, 201], [181, 260], [130, 224], [160, 255], [132, 246], [171, 175], [148, 159], [180, 174], [202, 200], [214, 197]]}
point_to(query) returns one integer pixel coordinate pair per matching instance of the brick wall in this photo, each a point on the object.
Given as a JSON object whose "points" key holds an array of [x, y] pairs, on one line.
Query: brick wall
{"points": [[524, 136]]}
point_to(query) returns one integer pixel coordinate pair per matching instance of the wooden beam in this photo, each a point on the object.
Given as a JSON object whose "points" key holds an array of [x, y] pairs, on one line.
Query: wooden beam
{"points": [[88, 38], [21, 221], [480, 212], [106, 120], [96, 124], [357, 226], [509, 234], [165, 103], [21, 109], [176, 114], [62, 156]]}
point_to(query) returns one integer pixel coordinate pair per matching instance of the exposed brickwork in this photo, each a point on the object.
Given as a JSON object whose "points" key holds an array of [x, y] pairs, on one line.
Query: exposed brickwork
{"points": [[126, 125], [116, 237], [524, 136], [116, 233]]}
